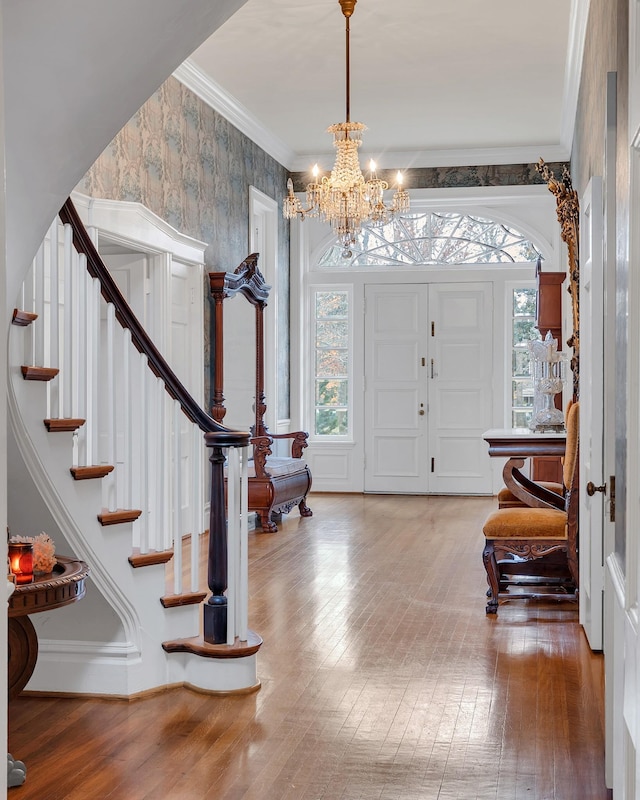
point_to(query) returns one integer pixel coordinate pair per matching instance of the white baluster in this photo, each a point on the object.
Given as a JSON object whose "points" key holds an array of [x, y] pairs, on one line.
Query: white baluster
{"points": [[196, 504], [177, 499], [156, 521], [39, 307], [166, 419], [144, 454], [233, 531], [67, 319], [54, 318], [126, 478], [93, 372], [82, 333], [110, 416], [76, 333], [243, 584]]}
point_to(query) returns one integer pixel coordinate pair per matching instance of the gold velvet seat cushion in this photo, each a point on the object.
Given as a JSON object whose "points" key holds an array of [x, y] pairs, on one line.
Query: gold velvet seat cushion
{"points": [[526, 523], [506, 496]]}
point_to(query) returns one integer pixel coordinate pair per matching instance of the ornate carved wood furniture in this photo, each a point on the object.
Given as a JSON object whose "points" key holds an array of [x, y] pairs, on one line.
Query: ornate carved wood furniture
{"points": [[64, 585], [543, 532], [276, 484]]}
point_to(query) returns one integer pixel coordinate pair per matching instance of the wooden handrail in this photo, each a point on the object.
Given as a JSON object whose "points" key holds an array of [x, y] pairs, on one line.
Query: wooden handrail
{"points": [[141, 339]]}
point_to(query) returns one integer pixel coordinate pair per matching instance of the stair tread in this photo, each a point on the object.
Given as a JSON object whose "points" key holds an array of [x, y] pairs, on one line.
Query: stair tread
{"points": [[23, 318], [184, 599], [138, 559], [119, 515], [33, 373], [197, 645], [63, 424], [87, 473]]}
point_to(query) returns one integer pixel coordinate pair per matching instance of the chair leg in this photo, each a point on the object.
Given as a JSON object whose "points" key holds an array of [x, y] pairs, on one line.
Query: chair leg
{"points": [[493, 577]]}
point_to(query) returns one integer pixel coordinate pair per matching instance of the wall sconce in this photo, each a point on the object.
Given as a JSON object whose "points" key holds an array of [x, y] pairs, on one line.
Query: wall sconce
{"points": [[21, 561]]}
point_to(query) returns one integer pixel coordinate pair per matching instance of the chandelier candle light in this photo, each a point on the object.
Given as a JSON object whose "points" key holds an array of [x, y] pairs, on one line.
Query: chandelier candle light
{"points": [[345, 199]]}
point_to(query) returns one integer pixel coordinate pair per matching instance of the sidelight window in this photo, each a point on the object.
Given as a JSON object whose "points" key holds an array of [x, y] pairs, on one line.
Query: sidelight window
{"points": [[523, 330], [332, 361]]}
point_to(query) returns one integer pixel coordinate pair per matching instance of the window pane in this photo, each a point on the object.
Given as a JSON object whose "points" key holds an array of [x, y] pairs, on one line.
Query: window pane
{"points": [[331, 421], [332, 334], [524, 302], [522, 394], [521, 362], [434, 238], [331, 363], [524, 330], [332, 393], [331, 304]]}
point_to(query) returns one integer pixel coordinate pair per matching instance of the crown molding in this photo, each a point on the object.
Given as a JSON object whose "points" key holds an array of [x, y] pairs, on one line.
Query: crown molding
{"points": [[225, 104]]}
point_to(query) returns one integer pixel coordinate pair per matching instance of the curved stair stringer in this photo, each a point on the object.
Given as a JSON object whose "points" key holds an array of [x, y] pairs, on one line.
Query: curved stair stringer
{"points": [[137, 662]]}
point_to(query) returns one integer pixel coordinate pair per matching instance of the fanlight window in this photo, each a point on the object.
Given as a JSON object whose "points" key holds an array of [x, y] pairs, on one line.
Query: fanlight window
{"points": [[434, 238]]}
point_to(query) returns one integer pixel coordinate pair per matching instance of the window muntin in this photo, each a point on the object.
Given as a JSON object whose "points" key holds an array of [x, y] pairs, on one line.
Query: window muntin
{"points": [[445, 238], [332, 362], [523, 330]]}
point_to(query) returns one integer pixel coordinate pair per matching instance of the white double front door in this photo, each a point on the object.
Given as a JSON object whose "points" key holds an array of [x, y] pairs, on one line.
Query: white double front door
{"points": [[428, 388]]}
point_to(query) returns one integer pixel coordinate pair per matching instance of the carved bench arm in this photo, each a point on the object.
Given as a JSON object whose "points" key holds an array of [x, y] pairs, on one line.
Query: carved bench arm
{"points": [[297, 445], [261, 449]]}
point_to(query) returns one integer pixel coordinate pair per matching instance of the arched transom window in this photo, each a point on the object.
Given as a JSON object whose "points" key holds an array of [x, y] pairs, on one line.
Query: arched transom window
{"points": [[444, 238]]}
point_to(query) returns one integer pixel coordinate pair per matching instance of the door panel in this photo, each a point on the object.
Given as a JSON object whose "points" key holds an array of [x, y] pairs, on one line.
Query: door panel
{"points": [[460, 386], [591, 413], [395, 431]]}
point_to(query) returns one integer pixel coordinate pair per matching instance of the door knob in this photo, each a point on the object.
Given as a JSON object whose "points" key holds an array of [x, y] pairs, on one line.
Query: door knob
{"points": [[592, 488], [421, 410]]}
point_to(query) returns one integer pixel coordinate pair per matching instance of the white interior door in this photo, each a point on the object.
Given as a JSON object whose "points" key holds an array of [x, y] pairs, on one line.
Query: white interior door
{"points": [[395, 389], [428, 387], [460, 387], [591, 413]]}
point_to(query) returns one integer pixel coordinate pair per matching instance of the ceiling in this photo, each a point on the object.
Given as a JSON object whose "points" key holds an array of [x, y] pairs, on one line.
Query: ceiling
{"points": [[437, 83]]}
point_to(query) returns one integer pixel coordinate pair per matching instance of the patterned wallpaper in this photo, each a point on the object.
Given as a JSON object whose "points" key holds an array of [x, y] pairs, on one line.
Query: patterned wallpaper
{"points": [[191, 167], [454, 177]]}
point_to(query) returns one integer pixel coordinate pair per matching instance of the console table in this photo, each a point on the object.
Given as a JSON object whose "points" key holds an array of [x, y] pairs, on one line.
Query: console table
{"points": [[518, 444], [63, 585]]}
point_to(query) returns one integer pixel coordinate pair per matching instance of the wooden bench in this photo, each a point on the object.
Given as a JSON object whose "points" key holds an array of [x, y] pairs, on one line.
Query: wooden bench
{"points": [[276, 483]]}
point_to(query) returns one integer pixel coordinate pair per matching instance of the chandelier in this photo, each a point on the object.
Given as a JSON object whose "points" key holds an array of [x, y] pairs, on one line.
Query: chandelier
{"points": [[345, 199]]}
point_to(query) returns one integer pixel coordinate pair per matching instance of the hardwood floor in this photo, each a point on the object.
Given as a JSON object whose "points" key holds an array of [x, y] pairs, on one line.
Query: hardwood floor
{"points": [[382, 679]]}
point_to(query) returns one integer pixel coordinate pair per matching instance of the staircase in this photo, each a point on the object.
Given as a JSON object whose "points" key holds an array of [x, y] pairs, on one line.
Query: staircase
{"points": [[110, 451]]}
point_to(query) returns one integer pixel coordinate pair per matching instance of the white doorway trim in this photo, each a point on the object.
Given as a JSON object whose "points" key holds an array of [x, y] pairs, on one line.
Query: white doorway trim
{"points": [[263, 239]]}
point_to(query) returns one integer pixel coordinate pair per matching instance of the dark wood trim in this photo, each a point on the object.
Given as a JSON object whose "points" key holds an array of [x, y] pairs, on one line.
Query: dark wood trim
{"points": [[187, 599], [121, 515], [88, 473], [198, 646], [138, 559], [31, 373], [63, 425], [22, 318]]}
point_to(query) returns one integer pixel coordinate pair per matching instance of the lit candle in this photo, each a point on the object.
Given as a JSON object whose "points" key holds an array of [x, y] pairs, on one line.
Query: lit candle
{"points": [[21, 561], [372, 167], [399, 179], [315, 172]]}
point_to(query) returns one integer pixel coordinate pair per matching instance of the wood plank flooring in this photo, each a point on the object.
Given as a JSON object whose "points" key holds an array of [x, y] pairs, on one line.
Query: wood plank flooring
{"points": [[382, 679]]}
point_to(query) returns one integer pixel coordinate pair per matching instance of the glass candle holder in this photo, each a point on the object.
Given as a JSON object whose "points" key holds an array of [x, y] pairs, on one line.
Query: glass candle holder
{"points": [[21, 561]]}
